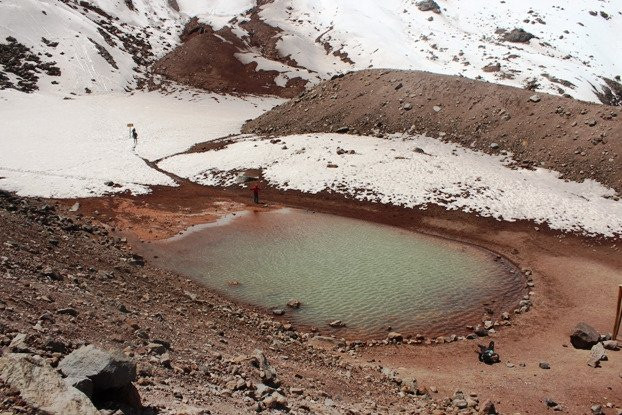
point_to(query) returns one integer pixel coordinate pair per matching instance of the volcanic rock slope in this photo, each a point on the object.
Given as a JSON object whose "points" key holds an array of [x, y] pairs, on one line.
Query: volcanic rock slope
{"points": [[558, 48]]}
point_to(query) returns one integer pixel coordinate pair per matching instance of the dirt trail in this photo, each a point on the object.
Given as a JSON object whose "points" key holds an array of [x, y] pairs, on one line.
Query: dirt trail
{"points": [[580, 140]]}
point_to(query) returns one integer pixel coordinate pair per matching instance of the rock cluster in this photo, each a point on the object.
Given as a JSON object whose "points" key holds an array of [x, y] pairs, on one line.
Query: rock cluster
{"points": [[21, 62]]}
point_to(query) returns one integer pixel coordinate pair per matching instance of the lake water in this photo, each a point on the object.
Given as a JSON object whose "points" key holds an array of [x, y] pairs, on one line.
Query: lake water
{"points": [[367, 275]]}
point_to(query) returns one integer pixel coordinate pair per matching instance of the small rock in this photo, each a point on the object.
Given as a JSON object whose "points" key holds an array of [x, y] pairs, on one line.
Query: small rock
{"points": [[551, 403], [156, 348], [294, 303], [165, 360], [267, 372], [480, 331], [488, 408], [544, 365], [337, 324], [276, 400], [19, 344], [429, 5], [460, 403], [534, 98], [597, 353], [278, 311], [68, 311]]}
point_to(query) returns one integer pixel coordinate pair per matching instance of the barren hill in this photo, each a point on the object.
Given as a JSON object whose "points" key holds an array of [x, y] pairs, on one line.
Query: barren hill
{"points": [[579, 139]]}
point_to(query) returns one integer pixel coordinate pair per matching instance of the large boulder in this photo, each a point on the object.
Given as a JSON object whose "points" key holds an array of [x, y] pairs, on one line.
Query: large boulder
{"points": [[107, 370], [42, 387], [584, 336]]}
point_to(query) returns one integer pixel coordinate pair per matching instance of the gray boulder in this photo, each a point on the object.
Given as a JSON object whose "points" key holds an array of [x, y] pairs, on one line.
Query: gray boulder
{"points": [[584, 336], [107, 370], [518, 36], [429, 6], [42, 387]]}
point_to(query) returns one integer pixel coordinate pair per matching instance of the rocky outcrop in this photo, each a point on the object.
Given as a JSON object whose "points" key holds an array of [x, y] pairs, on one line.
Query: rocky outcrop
{"points": [[42, 387]]}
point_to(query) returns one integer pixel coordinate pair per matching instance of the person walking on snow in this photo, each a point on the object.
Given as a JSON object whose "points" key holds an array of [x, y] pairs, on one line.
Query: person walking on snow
{"points": [[255, 190], [135, 136]]}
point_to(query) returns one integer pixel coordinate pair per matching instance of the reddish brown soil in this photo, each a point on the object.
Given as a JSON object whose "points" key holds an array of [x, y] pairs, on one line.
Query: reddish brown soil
{"points": [[580, 140], [121, 305], [206, 59]]}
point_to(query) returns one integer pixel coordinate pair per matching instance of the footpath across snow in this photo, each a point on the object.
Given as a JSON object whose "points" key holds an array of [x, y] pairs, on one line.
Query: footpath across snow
{"points": [[54, 147], [412, 172]]}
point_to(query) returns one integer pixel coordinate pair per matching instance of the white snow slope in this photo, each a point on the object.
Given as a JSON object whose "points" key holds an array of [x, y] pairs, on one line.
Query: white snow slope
{"points": [[52, 147], [571, 45], [392, 172], [75, 28]]}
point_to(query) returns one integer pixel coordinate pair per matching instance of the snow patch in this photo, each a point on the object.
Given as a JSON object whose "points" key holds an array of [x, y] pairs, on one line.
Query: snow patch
{"points": [[52, 147], [396, 172]]}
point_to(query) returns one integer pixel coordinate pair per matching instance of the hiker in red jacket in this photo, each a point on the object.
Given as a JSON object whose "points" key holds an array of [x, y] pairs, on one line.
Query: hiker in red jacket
{"points": [[255, 190]]}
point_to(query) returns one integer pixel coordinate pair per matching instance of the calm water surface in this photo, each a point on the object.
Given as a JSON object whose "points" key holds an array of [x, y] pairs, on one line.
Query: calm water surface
{"points": [[369, 276]]}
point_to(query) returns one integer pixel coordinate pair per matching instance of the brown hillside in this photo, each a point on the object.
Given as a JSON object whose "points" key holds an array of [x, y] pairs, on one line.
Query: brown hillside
{"points": [[580, 140], [206, 59]]}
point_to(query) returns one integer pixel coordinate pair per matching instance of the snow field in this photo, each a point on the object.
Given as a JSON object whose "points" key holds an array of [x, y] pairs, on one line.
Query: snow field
{"points": [[394, 172], [58, 148]]}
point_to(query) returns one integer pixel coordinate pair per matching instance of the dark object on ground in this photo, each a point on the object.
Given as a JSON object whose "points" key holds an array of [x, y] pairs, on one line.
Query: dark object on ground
{"points": [[429, 5], [488, 354], [584, 336], [255, 190], [518, 36]]}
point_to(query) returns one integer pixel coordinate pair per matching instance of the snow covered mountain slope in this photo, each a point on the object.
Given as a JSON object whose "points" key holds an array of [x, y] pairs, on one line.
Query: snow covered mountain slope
{"points": [[96, 45], [281, 46], [562, 48]]}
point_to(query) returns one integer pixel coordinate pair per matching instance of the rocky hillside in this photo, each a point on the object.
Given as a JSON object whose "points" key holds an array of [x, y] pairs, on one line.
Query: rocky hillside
{"points": [[169, 346], [580, 140]]}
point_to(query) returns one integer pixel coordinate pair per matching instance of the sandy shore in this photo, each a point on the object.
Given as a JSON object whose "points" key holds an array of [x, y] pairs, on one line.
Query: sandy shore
{"points": [[575, 279]]}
